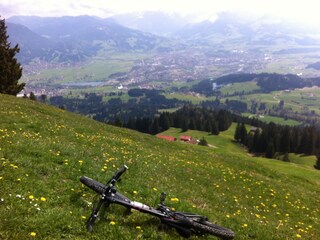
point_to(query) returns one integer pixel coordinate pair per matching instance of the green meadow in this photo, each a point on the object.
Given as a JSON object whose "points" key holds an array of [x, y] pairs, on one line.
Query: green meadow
{"points": [[44, 151]]}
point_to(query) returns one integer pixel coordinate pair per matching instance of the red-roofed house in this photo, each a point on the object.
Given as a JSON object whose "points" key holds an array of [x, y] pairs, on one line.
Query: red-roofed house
{"points": [[185, 138], [169, 138], [188, 139]]}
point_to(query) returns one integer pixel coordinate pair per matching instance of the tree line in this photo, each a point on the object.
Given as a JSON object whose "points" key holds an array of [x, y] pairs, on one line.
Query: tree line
{"points": [[144, 103], [188, 117], [271, 139]]}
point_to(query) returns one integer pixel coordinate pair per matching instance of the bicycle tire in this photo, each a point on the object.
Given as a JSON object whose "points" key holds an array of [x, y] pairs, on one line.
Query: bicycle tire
{"points": [[94, 185], [214, 229]]}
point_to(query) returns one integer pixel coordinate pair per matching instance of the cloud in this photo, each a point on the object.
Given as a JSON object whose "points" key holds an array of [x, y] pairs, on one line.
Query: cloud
{"points": [[302, 10]]}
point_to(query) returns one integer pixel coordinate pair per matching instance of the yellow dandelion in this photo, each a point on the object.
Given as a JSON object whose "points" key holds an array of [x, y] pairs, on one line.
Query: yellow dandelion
{"points": [[33, 234], [174, 199], [112, 223], [298, 235], [135, 192], [138, 227], [43, 199], [154, 189], [31, 197], [245, 225], [83, 217]]}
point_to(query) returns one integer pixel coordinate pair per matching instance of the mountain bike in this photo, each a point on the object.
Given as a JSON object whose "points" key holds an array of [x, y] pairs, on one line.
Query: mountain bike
{"points": [[185, 223]]}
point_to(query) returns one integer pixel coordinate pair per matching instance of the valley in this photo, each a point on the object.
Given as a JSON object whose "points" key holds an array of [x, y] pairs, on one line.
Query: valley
{"points": [[222, 115]]}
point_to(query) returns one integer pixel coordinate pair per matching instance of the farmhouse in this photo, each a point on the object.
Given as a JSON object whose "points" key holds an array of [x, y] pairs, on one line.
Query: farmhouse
{"points": [[188, 139], [185, 138], [169, 138]]}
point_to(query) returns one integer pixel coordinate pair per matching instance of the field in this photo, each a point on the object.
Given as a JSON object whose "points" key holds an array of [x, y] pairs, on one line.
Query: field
{"points": [[44, 151], [95, 70]]}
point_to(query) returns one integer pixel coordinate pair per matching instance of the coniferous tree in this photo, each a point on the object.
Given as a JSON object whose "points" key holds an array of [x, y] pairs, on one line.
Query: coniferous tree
{"points": [[237, 136], [243, 134], [192, 124], [164, 122], [203, 142], [285, 140], [255, 144], [32, 96], [270, 151], [286, 157], [317, 166], [208, 127], [10, 69], [214, 129], [155, 128], [185, 125]]}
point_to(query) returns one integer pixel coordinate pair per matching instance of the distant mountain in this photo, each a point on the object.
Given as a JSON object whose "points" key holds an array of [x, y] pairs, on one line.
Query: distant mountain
{"points": [[315, 65], [230, 28], [84, 36], [74, 39], [31, 44], [158, 23]]}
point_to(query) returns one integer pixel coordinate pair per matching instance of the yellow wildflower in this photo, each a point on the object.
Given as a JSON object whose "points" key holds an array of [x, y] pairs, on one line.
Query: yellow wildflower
{"points": [[43, 199], [112, 223], [33, 234], [174, 199]]}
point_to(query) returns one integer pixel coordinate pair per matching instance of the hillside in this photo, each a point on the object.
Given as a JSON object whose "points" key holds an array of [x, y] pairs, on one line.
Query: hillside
{"points": [[44, 151], [75, 39]]}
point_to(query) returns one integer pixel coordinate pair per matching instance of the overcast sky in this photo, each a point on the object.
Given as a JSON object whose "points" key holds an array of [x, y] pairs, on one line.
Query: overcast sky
{"points": [[305, 10]]}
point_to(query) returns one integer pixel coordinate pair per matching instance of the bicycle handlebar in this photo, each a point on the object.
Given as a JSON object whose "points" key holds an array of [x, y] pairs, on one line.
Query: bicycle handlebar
{"points": [[118, 174]]}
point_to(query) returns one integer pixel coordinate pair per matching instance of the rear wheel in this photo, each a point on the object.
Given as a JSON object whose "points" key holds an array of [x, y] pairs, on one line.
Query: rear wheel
{"points": [[211, 228], [94, 185]]}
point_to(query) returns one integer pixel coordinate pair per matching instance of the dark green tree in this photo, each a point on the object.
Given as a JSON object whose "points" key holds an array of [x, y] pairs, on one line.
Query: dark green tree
{"points": [[214, 129], [237, 136], [285, 140], [243, 133], [164, 122], [155, 128], [10, 69], [286, 157], [317, 166], [203, 142], [270, 151], [185, 125], [32, 97]]}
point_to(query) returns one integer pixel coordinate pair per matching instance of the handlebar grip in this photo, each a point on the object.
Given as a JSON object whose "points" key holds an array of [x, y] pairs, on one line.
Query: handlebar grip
{"points": [[120, 172]]}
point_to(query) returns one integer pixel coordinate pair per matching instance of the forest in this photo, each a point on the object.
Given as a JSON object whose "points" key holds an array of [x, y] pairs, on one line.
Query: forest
{"points": [[266, 81]]}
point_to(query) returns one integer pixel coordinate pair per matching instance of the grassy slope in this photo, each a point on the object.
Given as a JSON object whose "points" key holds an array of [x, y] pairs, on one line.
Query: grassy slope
{"points": [[44, 151]]}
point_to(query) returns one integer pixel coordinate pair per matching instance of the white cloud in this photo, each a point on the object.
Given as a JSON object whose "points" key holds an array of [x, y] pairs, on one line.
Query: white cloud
{"points": [[302, 10]]}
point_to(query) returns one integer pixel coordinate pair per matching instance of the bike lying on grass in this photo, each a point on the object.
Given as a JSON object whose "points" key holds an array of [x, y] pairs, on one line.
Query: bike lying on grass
{"points": [[186, 224]]}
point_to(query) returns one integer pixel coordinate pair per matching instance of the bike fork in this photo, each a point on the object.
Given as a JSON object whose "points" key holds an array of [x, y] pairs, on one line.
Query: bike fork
{"points": [[95, 213]]}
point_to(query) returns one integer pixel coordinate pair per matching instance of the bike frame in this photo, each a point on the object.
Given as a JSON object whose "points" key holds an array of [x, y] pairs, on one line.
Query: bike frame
{"points": [[117, 198]]}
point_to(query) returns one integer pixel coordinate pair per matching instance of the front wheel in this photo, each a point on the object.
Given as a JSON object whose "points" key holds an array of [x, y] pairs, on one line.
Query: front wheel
{"points": [[211, 228]]}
